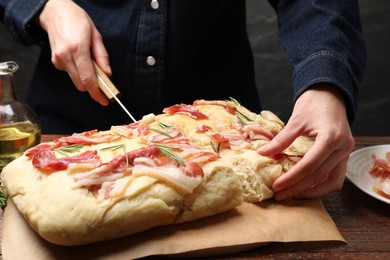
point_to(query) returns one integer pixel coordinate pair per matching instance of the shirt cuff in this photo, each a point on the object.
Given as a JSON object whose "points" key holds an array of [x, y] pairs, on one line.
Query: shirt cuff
{"points": [[18, 19], [327, 67]]}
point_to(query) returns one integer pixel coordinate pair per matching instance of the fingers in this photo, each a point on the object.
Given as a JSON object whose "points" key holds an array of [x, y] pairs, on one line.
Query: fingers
{"points": [[99, 53], [73, 39], [88, 80], [325, 179], [319, 112], [320, 171], [70, 59], [310, 163], [77, 62], [333, 181], [281, 141]]}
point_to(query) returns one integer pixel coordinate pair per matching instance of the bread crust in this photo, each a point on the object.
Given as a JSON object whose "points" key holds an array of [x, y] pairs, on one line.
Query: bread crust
{"points": [[67, 216]]}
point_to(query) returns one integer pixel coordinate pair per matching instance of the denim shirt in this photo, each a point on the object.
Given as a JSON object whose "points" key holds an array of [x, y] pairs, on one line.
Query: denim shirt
{"points": [[164, 52]]}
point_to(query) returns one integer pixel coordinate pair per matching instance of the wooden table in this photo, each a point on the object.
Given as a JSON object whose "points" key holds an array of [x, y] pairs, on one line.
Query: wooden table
{"points": [[363, 221]]}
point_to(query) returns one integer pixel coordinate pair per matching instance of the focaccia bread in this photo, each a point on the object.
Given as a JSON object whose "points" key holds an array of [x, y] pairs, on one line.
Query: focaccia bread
{"points": [[187, 163]]}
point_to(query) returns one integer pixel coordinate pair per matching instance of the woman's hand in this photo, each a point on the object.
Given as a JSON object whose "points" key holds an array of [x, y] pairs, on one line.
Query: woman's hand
{"points": [[74, 42], [319, 112]]}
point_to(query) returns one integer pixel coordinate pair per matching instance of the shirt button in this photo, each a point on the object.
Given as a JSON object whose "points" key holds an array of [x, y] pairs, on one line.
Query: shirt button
{"points": [[154, 4], [151, 61]]}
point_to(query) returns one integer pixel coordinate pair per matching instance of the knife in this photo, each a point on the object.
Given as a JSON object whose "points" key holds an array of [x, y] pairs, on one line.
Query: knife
{"points": [[109, 89]]}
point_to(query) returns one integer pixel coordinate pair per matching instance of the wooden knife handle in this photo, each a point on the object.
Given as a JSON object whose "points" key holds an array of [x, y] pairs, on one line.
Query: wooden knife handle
{"points": [[108, 84]]}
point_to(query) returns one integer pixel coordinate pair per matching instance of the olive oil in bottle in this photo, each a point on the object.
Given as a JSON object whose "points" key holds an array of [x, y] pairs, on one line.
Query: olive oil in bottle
{"points": [[15, 139], [19, 126]]}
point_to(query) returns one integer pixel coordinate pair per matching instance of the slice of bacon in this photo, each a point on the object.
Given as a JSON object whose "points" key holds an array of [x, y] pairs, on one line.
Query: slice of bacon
{"points": [[380, 170], [110, 171], [202, 128], [121, 164], [141, 130], [227, 105], [183, 178], [171, 135], [193, 170], [219, 138], [258, 132], [85, 138], [185, 109], [230, 137], [201, 158], [45, 160], [194, 153], [149, 161], [135, 128], [43, 146], [380, 166], [104, 191], [112, 188], [83, 181], [382, 186], [88, 138]]}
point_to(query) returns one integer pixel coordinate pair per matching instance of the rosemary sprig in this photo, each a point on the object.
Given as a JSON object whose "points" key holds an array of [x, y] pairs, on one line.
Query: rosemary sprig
{"points": [[123, 136], [215, 149], [3, 196], [240, 116], [165, 146], [234, 101], [244, 116], [162, 125], [114, 147], [165, 151], [241, 120], [128, 161], [160, 132], [64, 150]]}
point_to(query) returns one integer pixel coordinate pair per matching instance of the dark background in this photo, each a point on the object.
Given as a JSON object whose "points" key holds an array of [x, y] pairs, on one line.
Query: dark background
{"points": [[272, 67]]}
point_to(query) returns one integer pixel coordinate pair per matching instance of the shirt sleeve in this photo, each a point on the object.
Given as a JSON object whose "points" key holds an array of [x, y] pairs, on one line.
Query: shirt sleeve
{"points": [[325, 44], [18, 15]]}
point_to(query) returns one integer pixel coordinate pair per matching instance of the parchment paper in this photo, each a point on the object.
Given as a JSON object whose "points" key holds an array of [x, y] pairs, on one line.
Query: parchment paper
{"points": [[246, 227]]}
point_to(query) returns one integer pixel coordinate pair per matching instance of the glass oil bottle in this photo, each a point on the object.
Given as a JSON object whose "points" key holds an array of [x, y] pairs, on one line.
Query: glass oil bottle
{"points": [[19, 126]]}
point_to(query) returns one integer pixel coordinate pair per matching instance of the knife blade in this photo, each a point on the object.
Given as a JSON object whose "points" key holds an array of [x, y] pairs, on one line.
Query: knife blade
{"points": [[109, 89]]}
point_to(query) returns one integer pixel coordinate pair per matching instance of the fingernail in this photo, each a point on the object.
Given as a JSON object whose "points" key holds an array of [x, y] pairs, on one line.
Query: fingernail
{"points": [[108, 69]]}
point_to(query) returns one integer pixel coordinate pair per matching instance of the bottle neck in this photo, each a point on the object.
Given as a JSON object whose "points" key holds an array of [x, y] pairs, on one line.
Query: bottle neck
{"points": [[7, 89]]}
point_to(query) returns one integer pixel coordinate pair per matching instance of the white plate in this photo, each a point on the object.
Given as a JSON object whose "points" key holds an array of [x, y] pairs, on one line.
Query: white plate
{"points": [[357, 169]]}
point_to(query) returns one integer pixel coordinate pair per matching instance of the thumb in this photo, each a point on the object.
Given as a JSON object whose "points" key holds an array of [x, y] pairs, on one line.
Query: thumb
{"points": [[280, 142]]}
